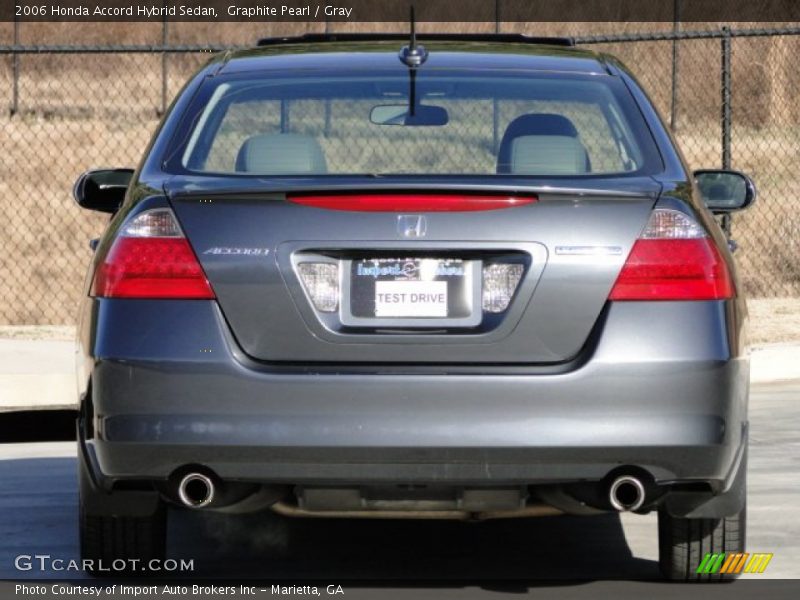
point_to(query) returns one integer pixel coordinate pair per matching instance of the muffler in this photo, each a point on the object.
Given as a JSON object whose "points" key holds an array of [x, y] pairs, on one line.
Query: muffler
{"points": [[196, 490], [626, 493]]}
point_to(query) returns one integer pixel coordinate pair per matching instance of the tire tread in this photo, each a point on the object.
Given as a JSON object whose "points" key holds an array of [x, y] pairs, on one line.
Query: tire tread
{"points": [[684, 542], [110, 538]]}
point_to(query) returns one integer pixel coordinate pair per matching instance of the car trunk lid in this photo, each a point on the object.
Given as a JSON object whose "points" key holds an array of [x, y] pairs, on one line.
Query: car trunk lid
{"points": [[571, 243]]}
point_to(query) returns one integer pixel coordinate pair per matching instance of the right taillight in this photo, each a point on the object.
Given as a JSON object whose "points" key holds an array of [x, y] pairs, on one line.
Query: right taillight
{"points": [[673, 259], [151, 258]]}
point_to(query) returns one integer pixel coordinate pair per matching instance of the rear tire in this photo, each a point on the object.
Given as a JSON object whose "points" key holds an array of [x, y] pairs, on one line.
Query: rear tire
{"points": [[682, 544], [108, 537], [108, 540]]}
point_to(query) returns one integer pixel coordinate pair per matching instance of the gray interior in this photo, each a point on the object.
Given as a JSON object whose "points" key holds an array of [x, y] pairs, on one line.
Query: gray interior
{"points": [[282, 153], [547, 154]]}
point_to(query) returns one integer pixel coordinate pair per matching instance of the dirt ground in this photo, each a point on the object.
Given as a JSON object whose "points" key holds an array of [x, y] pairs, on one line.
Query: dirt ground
{"points": [[772, 320], [37, 332]]}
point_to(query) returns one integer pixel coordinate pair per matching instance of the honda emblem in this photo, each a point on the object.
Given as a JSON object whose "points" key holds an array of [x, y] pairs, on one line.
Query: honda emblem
{"points": [[411, 226]]}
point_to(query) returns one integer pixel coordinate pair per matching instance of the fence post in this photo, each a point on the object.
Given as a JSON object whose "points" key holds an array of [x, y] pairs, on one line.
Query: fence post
{"points": [[327, 130], [673, 108], [15, 71], [726, 98], [495, 107], [164, 76], [726, 112]]}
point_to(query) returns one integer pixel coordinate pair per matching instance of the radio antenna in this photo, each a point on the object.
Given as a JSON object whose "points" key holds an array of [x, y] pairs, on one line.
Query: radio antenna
{"points": [[412, 55], [413, 45]]}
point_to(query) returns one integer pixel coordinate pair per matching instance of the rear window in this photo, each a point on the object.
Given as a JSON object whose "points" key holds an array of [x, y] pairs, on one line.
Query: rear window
{"points": [[521, 124]]}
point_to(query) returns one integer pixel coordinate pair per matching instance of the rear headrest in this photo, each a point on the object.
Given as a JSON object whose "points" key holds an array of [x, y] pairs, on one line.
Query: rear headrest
{"points": [[281, 154], [540, 124], [547, 155], [535, 124]]}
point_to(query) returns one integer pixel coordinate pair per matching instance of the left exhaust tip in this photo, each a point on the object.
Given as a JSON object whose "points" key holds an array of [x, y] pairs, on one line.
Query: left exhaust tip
{"points": [[626, 493], [196, 490]]}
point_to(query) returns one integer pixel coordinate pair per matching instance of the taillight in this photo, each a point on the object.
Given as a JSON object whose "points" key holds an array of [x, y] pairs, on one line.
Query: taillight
{"points": [[151, 258], [412, 202], [673, 259]]}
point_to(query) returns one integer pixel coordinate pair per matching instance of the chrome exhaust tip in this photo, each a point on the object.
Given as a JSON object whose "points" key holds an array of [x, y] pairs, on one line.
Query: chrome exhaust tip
{"points": [[626, 493], [196, 490]]}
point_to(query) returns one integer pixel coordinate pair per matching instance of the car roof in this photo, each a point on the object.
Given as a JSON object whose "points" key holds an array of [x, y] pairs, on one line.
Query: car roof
{"points": [[445, 52]]}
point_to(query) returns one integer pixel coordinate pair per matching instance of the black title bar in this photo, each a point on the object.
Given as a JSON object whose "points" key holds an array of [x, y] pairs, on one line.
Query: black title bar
{"points": [[398, 10]]}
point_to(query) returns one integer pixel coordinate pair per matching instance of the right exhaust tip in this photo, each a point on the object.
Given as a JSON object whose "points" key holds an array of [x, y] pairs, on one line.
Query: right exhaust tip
{"points": [[196, 490], [626, 493]]}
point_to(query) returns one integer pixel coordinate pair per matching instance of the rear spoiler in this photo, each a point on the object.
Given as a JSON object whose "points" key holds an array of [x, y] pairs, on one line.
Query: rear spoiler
{"points": [[499, 38]]}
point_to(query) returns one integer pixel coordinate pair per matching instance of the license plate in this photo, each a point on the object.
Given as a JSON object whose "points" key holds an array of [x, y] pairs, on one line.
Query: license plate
{"points": [[410, 298], [411, 288]]}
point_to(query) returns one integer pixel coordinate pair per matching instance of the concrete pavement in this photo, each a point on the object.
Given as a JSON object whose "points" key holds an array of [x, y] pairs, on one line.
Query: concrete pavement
{"points": [[774, 362], [37, 374]]}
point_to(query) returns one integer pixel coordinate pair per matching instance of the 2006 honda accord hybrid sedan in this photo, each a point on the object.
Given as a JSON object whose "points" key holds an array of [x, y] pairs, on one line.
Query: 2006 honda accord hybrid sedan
{"points": [[464, 277]]}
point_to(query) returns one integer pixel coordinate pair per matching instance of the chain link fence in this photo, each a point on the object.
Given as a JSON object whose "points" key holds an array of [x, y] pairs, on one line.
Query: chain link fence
{"points": [[729, 98], [728, 95]]}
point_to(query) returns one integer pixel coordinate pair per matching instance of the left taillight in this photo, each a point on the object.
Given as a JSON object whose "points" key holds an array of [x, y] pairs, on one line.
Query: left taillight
{"points": [[151, 258]]}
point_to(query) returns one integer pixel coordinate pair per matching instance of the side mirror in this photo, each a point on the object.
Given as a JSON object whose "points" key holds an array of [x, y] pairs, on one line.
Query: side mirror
{"points": [[102, 189], [725, 191]]}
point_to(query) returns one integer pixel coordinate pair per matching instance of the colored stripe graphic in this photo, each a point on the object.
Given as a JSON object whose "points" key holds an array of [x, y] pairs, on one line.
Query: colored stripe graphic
{"points": [[730, 563], [733, 563], [711, 563], [738, 568], [758, 563], [702, 566]]}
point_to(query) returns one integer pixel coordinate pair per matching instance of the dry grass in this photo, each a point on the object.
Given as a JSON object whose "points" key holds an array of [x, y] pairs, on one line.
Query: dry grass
{"points": [[45, 235], [89, 111]]}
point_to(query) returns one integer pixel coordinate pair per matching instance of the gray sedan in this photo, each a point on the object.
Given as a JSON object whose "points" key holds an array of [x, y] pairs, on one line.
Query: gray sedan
{"points": [[468, 278]]}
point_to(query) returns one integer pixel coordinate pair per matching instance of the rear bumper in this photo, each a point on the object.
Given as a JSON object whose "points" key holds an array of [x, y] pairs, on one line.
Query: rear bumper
{"points": [[666, 395]]}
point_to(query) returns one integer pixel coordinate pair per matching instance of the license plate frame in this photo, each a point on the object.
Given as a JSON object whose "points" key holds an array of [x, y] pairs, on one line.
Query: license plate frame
{"points": [[462, 277]]}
